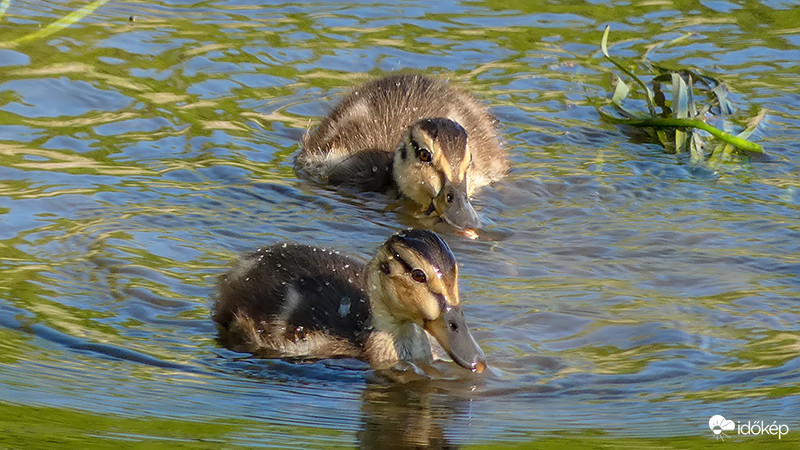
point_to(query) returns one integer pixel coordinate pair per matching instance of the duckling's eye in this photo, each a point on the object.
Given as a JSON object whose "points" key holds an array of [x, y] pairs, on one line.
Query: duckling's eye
{"points": [[418, 275], [425, 155]]}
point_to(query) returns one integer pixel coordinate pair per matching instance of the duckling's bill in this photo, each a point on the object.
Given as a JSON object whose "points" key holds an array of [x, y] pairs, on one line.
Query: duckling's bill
{"points": [[450, 330], [452, 204]]}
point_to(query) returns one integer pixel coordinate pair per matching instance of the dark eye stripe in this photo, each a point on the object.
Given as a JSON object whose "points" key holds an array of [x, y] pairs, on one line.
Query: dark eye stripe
{"points": [[422, 153], [415, 146], [402, 262], [409, 269]]}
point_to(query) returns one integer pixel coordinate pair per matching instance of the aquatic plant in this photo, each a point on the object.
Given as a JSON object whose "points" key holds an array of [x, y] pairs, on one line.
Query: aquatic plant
{"points": [[679, 103]]}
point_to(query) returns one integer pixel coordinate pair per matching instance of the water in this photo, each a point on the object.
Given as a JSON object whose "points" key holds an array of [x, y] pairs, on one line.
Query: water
{"points": [[623, 296]]}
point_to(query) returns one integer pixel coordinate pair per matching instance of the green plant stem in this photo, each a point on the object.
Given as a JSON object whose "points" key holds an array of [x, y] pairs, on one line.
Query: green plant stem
{"points": [[688, 123]]}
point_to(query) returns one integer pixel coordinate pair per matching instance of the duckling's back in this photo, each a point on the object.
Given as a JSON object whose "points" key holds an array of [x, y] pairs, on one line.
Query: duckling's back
{"points": [[369, 122], [294, 300]]}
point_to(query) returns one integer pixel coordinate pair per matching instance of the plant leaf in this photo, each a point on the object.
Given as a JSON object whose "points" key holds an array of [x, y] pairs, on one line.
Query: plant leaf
{"points": [[726, 152], [620, 91], [696, 145], [680, 140], [604, 41], [690, 97], [626, 71], [663, 138], [680, 98], [721, 93], [752, 124]]}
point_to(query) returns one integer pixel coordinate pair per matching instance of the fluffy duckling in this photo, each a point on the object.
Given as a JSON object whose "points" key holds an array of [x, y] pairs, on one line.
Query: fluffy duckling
{"points": [[291, 300], [413, 134]]}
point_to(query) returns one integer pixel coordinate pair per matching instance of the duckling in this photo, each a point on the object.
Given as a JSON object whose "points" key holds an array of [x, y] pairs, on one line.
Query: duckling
{"points": [[297, 301], [412, 134]]}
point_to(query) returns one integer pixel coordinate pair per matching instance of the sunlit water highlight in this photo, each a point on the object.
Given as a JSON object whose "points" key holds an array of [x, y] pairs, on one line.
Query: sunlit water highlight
{"points": [[618, 291]]}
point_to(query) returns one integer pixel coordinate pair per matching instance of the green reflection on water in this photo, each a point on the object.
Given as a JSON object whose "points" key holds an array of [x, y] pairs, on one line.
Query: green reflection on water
{"points": [[159, 61], [39, 427]]}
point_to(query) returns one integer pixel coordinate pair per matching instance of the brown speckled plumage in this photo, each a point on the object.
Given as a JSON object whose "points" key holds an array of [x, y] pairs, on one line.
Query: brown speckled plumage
{"points": [[355, 143]]}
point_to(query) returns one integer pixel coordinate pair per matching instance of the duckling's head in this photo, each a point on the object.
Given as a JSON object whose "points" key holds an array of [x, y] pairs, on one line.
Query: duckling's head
{"points": [[430, 167], [414, 276]]}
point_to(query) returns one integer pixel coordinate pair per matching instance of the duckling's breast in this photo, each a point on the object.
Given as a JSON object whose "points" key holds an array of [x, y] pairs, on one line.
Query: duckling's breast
{"points": [[296, 300]]}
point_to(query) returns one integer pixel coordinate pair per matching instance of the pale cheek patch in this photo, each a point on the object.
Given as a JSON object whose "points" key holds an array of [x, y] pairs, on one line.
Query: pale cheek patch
{"points": [[415, 185], [416, 301], [429, 308], [435, 184]]}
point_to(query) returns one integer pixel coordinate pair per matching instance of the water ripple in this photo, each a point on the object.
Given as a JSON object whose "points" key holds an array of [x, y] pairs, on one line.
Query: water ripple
{"points": [[139, 158]]}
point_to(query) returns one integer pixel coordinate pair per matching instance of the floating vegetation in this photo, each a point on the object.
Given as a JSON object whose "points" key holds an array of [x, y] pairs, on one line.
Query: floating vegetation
{"points": [[678, 104]]}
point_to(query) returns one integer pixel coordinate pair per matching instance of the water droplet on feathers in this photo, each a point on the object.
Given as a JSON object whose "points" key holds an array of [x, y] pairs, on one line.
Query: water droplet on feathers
{"points": [[344, 307]]}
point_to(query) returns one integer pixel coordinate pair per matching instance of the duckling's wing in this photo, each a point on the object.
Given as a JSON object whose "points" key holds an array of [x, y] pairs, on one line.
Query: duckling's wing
{"points": [[370, 170], [329, 304], [294, 300]]}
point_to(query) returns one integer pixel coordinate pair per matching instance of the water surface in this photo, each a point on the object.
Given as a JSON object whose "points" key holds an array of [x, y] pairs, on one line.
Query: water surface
{"points": [[622, 294]]}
